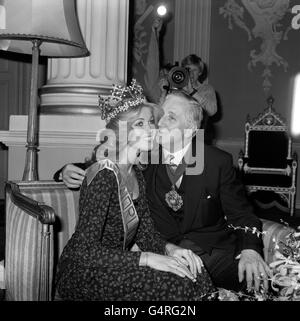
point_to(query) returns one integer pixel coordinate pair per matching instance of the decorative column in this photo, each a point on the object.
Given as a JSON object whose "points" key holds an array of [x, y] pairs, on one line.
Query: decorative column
{"points": [[192, 29], [73, 84]]}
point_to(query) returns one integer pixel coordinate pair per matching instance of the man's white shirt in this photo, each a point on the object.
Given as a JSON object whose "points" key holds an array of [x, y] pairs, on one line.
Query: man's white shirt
{"points": [[175, 158]]}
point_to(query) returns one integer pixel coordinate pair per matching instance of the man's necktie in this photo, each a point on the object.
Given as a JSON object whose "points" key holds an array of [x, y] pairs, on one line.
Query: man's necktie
{"points": [[172, 165]]}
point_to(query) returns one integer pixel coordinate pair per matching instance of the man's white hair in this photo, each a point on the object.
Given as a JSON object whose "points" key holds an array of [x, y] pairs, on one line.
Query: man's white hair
{"points": [[194, 114]]}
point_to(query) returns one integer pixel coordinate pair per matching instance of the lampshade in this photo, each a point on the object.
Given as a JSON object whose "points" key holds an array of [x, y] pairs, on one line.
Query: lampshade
{"points": [[54, 22]]}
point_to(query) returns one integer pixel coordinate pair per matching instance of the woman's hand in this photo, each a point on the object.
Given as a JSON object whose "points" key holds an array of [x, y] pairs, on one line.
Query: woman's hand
{"points": [[166, 264], [157, 25], [163, 84], [186, 257]]}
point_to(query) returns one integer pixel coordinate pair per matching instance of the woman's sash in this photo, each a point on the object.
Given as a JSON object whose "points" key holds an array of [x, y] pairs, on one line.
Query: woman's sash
{"points": [[129, 215]]}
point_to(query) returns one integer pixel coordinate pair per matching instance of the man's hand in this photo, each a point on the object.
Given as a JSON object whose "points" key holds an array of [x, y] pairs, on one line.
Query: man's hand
{"points": [[163, 84], [186, 257], [157, 25], [255, 267], [72, 176]]}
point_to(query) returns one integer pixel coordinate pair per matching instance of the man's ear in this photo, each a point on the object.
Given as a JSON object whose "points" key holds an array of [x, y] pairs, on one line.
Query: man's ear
{"points": [[191, 129], [195, 132], [193, 126]]}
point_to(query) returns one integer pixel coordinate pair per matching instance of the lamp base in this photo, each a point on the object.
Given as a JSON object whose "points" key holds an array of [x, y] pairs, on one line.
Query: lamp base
{"points": [[30, 170]]}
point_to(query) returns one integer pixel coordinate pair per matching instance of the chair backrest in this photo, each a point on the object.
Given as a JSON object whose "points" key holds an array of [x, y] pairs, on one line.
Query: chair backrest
{"points": [[40, 218], [268, 148], [267, 141]]}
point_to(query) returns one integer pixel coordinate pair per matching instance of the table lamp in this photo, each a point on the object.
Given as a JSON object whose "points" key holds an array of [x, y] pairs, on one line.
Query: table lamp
{"points": [[39, 27]]}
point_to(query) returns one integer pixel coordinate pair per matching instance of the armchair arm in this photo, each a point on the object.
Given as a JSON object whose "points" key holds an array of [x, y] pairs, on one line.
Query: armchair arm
{"points": [[28, 244], [44, 213]]}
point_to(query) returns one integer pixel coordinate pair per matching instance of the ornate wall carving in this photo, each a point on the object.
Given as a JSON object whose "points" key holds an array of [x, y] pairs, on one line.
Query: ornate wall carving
{"points": [[267, 24]]}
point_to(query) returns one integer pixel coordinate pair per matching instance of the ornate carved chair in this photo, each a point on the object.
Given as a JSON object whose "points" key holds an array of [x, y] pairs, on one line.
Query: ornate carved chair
{"points": [[268, 166]]}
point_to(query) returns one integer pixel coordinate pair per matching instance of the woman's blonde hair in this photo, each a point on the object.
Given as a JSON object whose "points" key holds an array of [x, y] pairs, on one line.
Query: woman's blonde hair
{"points": [[113, 138]]}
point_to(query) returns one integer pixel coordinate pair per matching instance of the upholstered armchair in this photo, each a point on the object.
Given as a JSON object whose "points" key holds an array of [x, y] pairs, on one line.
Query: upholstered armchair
{"points": [[40, 219]]}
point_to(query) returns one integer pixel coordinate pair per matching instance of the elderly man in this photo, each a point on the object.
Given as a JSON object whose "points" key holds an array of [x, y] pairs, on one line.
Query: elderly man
{"points": [[196, 201]]}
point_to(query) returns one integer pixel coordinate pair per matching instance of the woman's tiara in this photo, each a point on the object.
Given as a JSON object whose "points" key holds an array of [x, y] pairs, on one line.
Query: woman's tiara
{"points": [[121, 99]]}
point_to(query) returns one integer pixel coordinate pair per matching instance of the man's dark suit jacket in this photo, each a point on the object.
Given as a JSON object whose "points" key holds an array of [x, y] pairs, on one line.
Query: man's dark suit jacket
{"points": [[208, 199]]}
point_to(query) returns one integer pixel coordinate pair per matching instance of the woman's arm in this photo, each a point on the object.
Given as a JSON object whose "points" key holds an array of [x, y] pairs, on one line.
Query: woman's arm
{"points": [[148, 238], [152, 66]]}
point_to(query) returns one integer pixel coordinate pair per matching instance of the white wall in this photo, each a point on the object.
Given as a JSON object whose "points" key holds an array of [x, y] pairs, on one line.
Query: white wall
{"points": [[62, 139]]}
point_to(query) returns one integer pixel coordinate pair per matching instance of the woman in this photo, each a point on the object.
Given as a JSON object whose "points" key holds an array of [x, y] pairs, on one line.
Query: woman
{"points": [[97, 264], [204, 93]]}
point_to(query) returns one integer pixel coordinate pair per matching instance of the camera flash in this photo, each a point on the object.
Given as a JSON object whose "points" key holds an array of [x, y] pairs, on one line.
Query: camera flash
{"points": [[161, 10]]}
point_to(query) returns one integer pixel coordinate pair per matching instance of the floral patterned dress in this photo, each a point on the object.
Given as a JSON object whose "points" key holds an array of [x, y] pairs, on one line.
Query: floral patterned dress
{"points": [[94, 266]]}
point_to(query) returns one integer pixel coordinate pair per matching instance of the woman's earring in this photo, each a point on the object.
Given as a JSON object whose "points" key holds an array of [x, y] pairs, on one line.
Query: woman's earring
{"points": [[138, 153]]}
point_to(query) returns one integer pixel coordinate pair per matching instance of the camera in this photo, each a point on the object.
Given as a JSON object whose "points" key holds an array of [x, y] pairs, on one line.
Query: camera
{"points": [[178, 77]]}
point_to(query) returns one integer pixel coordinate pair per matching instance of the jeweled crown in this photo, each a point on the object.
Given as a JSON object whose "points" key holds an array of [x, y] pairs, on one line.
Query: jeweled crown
{"points": [[121, 99]]}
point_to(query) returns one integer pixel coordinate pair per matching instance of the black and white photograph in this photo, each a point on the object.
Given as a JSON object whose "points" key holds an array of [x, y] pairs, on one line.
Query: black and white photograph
{"points": [[149, 154]]}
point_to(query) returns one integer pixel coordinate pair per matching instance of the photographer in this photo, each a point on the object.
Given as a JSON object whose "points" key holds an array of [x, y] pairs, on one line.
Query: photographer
{"points": [[204, 93], [189, 78]]}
